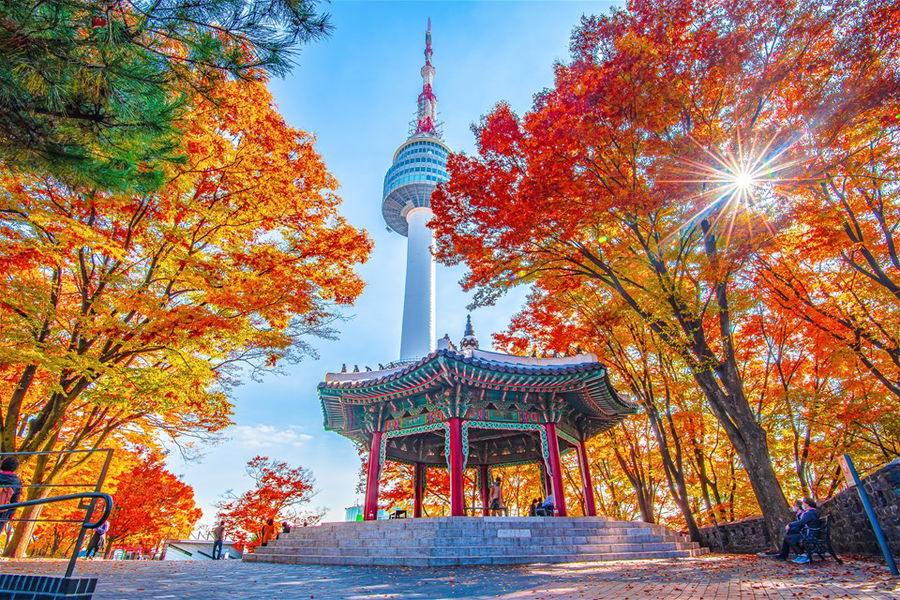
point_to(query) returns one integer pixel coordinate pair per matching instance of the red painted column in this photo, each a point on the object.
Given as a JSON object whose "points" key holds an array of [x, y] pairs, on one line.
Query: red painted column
{"points": [[556, 480], [455, 465], [484, 475], [370, 508], [418, 489], [586, 482]]}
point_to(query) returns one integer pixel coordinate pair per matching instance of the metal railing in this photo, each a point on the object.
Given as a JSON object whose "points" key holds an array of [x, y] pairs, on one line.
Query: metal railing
{"points": [[88, 497], [86, 524]]}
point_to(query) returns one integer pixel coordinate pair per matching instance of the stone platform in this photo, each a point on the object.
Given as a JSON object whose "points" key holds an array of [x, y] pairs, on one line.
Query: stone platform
{"points": [[464, 541]]}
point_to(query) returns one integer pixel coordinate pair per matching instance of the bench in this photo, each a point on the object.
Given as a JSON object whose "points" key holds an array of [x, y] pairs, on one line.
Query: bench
{"points": [[817, 540]]}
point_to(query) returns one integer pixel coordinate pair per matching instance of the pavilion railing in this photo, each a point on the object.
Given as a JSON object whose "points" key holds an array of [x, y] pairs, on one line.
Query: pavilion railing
{"points": [[88, 495]]}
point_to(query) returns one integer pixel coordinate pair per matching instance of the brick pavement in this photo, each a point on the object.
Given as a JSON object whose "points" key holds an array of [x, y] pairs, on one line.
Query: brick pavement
{"points": [[714, 577]]}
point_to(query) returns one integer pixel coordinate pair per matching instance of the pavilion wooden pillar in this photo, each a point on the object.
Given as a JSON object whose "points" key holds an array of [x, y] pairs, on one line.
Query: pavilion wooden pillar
{"points": [[455, 466], [542, 471], [373, 473], [418, 489], [587, 483], [556, 480], [484, 475]]}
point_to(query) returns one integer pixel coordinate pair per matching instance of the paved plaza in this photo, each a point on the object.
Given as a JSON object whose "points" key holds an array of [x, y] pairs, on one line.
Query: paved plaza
{"points": [[715, 577]]}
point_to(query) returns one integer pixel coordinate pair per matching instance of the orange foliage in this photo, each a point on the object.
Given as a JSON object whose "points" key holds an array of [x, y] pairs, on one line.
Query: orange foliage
{"points": [[279, 492], [616, 197], [150, 505]]}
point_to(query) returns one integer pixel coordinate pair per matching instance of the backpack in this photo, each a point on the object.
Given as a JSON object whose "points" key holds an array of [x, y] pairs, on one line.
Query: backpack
{"points": [[6, 494]]}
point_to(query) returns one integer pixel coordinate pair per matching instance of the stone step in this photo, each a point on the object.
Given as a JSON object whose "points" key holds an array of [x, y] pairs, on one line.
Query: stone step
{"points": [[509, 542], [316, 533], [453, 550], [510, 536], [461, 560], [512, 542], [455, 541]]}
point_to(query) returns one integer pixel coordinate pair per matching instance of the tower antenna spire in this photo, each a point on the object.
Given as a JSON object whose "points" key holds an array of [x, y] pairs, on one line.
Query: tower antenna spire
{"points": [[426, 115]]}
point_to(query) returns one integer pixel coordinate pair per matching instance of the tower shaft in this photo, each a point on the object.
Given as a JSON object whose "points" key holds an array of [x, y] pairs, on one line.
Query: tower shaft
{"points": [[418, 336]]}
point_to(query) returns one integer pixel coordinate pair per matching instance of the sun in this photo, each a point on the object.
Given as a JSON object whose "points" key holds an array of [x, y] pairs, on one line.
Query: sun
{"points": [[744, 180], [731, 181]]}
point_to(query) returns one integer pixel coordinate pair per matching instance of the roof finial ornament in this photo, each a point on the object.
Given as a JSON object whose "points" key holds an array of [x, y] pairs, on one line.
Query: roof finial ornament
{"points": [[469, 342]]}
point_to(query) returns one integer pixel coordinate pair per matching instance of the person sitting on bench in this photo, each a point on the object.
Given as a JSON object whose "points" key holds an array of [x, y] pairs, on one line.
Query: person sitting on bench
{"points": [[794, 532], [546, 508]]}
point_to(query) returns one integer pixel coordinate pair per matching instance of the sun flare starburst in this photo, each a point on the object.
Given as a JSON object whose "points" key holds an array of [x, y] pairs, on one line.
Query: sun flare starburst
{"points": [[731, 182]]}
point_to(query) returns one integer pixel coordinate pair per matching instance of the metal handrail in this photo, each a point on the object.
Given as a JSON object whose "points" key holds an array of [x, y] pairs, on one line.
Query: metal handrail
{"points": [[93, 497], [107, 505]]}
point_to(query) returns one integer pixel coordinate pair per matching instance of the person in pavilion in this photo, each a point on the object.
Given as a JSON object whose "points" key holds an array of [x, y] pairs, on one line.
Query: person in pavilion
{"points": [[496, 496], [547, 507]]}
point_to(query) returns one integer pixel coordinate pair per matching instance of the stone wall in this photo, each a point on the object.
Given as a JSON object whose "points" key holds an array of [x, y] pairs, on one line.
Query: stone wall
{"points": [[740, 537], [851, 532]]}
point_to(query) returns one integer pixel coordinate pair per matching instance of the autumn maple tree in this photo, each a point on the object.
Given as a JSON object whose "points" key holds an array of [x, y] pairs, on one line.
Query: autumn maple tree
{"points": [[656, 169], [127, 308], [279, 492], [150, 505]]}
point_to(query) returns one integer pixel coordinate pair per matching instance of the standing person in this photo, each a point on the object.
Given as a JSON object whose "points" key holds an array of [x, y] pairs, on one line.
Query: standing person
{"points": [[98, 541], [218, 540], [10, 488], [496, 496], [267, 532]]}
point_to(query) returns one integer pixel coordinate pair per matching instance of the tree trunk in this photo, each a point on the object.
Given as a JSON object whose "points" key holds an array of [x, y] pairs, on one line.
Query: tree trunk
{"points": [[749, 441], [22, 532], [674, 475]]}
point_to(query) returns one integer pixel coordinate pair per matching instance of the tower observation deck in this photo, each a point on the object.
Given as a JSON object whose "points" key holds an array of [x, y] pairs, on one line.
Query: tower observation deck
{"points": [[420, 163]]}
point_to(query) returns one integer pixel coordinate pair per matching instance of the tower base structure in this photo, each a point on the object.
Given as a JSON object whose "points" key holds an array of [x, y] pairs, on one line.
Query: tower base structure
{"points": [[463, 541]]}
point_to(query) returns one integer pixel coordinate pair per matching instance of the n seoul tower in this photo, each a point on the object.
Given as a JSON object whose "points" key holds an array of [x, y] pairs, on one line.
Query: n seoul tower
{"points": [[420, 163]]}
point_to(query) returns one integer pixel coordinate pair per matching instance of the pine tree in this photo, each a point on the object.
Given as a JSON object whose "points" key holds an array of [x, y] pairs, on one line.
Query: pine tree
{"points": [[89, 90]]}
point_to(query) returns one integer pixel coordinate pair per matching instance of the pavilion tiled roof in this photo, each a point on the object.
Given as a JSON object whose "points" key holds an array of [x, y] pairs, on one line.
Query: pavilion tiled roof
{"points": [[580, 377]]}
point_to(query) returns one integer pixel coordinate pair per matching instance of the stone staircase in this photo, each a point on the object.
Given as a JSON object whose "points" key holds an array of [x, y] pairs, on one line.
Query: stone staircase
{"points": [[458, 541]]}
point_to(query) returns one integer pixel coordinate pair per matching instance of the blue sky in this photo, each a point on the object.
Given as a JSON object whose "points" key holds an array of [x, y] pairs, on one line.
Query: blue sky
{"points": [[356, 91]]}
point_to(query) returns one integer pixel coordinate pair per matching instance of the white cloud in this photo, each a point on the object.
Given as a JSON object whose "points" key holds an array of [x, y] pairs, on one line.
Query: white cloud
{"points": [[267, 436]]}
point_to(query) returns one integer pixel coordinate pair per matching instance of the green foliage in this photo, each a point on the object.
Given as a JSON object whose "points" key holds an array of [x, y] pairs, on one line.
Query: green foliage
{"points": [[92, 92]]}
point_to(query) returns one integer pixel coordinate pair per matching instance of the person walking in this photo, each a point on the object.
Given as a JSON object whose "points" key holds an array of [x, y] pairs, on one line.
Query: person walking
{"points": [[98, 541], [218, 540]]}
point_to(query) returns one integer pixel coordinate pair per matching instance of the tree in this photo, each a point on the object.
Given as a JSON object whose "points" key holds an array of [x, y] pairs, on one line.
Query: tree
{"points": [[232, 263], [279, 492], [846, 284], [629, 178], [150, 505], [125, 309], [89, 90]]}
